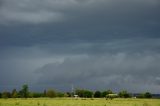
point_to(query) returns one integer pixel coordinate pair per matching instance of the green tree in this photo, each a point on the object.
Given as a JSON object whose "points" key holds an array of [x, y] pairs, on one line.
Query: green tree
{"points": [[44, 93], [68, 94], [14, 93], [88, 94], [147, 95], [37, 94], [104, 93], [60, 94], [84, 93], [80, 92], [24, 92], [124, 94], [0, 95], [109, 92], [51, 93], [97, 94], [6, 94], [140, 95]]}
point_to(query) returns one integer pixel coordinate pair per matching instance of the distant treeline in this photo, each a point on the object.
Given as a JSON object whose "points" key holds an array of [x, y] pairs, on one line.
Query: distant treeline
{"points": [[51, 93]]}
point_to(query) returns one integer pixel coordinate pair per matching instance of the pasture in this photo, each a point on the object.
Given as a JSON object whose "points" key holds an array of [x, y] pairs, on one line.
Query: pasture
{"points": [[79, 102]]}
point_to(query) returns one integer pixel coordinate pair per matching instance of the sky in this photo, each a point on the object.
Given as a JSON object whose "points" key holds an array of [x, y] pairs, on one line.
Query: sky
{"points": [[91, 44]]}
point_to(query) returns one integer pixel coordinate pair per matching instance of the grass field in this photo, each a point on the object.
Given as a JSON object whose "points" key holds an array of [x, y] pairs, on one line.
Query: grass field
{"points": [[79, 102]]}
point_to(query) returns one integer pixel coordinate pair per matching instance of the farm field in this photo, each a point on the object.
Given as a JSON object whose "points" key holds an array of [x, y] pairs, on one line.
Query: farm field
{"points": [[79, 102]]}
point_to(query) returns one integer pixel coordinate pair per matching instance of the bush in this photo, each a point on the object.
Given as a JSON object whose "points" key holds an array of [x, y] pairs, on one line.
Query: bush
{"points": [[51, 93]]}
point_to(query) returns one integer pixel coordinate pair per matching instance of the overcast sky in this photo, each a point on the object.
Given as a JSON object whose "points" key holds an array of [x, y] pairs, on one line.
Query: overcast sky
{"points": [[92, 44]]}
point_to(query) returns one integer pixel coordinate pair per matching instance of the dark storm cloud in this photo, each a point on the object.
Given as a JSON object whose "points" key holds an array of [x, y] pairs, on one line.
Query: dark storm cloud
{"points": [[107, 71], [88, 21], [105, 43]]}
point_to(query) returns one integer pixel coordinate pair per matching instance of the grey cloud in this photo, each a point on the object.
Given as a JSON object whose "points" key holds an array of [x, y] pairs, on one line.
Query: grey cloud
{"points": [[60, 64], [94, 21], [95, 47], [28, 12], [35, 12], [17, 65], [90, 21], [107, 71], [53, 10]]}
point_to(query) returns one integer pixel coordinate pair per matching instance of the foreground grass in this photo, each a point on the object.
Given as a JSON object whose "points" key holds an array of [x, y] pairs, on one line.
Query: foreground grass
{"points": [[79, 102]]}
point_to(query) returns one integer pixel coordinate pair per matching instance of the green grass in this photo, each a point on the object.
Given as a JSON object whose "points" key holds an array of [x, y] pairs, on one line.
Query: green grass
{"points": [[79, 102]]}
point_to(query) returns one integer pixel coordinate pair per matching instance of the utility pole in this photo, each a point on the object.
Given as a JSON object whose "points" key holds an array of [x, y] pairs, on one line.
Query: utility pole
{"points": [[72, 90]]}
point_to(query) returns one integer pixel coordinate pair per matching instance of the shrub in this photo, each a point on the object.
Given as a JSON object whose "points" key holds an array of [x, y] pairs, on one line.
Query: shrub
{"points": [[51, 93]]}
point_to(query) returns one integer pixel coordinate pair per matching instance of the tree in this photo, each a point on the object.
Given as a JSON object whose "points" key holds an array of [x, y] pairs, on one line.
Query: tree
{"points": [[148, 95], [79, 92], [109, 92], [145, 95], [97, 94], [51, 93], [84, 93], [44, 93], [14, 93], [124, 94], [60, 94], [37, 94], [68, 94], [104, 93], [6, 94], [0, 95], [88, 94], [24, 93], [140, 95]]}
